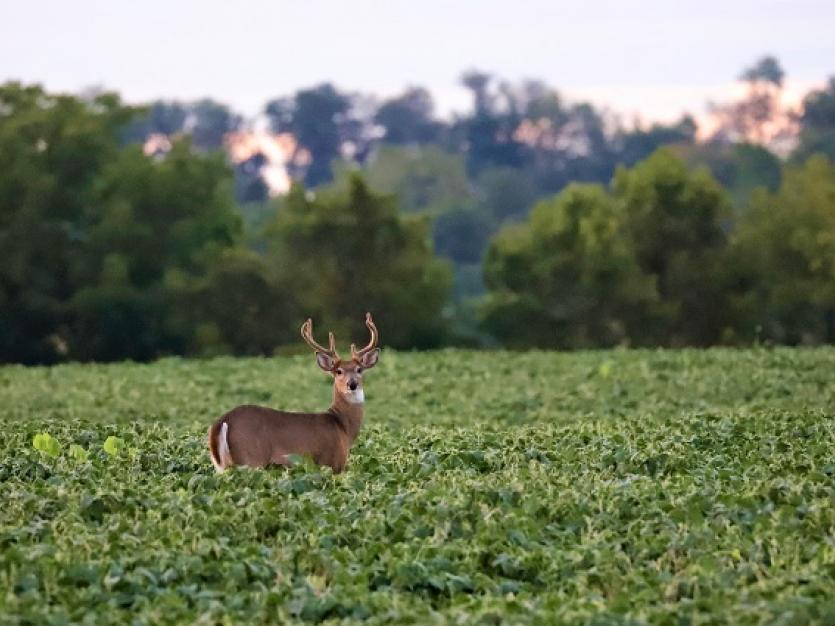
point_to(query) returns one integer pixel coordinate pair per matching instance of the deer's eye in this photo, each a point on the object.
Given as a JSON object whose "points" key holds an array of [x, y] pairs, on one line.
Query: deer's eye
{"points": [[339, 372], [359, 370]]}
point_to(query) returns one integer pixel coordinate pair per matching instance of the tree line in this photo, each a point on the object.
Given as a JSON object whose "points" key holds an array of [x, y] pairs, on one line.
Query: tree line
{"points": [[638, 237], [112, 254], [659, 258], [484, 168]]}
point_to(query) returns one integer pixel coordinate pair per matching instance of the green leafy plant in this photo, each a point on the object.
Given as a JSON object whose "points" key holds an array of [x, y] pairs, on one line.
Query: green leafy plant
{"points": [[46, 444], [113, 445], [78, 453]]}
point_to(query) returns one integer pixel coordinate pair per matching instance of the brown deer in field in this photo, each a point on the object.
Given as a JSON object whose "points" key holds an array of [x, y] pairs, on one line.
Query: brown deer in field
{"points": [[260, 436]]}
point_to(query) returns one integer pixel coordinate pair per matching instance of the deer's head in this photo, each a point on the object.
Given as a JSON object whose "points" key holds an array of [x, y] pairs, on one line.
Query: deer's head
{"points": [[347, 373]]}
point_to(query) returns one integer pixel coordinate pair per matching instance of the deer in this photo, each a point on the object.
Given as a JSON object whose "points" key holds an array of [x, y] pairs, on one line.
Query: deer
{"points": [[259, 436]]}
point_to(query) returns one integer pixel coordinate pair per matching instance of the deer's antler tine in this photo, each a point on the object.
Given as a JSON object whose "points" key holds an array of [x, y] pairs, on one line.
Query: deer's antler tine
{"points": [[307, 335], [369, 322], [372, 327]]}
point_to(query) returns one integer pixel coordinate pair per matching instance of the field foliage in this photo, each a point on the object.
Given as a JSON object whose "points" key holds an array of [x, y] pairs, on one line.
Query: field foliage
{"points": [[669, 487]]}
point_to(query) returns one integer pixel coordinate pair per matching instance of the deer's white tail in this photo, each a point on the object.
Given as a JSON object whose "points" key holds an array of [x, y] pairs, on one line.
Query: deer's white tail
{"points": [[219, 446]]}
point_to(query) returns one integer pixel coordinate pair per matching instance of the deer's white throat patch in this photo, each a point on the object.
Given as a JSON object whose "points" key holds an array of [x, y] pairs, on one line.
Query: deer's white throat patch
{"points": [[355, 397]]}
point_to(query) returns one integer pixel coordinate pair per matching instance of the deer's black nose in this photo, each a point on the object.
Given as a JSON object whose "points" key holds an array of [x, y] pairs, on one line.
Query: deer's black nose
{"points": [[352, 385]]}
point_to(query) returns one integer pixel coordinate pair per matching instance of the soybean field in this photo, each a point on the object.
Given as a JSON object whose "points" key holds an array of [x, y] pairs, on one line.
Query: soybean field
{"points": [[607, 487]]}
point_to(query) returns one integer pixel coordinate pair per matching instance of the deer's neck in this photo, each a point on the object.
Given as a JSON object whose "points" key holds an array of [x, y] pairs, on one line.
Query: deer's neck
{"points": [[348, 414]]}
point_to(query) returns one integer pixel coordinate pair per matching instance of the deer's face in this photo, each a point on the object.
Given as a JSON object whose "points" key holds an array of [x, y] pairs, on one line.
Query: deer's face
{"points": [[347, 374], [347, 378]]}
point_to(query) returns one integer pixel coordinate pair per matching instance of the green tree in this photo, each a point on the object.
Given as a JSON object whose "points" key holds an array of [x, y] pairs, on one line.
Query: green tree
{"points": [[318, 118], [210, 122], [817, 124], [759, 116], [638, 143], [462, 234], [674, 218], [408, 118], [784, 258], [343, 252], [568, 277], [238, 305], [424, 179], [766, 69], [505, 194], [487, 135], [152, 225], [167, 118], [51, 148], [740, 168]]}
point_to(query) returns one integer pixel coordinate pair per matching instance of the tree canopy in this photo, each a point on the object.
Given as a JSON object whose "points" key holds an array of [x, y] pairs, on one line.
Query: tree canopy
{"points": [[568, 277], [636, 265], [345, 252], [140, 231], [784, 258]]}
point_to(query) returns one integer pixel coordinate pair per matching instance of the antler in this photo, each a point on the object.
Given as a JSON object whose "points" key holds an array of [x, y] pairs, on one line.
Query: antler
{"points": [[355, 354], [307, 334]]}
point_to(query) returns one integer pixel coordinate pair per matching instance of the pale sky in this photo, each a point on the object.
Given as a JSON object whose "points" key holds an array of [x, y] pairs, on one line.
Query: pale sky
{"points": [[656, 58]]}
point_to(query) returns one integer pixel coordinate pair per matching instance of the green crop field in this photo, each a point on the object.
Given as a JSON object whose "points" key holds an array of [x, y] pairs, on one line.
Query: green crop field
{"points": [[664, 487]]}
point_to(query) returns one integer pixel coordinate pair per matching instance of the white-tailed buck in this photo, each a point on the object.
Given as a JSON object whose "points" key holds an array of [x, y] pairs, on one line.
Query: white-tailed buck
{"points": [[260, 436]]}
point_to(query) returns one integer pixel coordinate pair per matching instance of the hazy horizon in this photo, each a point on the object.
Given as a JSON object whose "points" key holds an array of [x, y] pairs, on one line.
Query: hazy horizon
{"points": [[648, 59]]}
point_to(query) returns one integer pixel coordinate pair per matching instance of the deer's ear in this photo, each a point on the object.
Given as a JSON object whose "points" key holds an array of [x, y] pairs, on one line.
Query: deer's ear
{"points": [[325, 361], [369, 359]]}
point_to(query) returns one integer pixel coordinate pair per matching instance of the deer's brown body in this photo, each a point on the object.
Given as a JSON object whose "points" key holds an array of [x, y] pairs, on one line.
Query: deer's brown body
{"points": [[260, 436]]}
